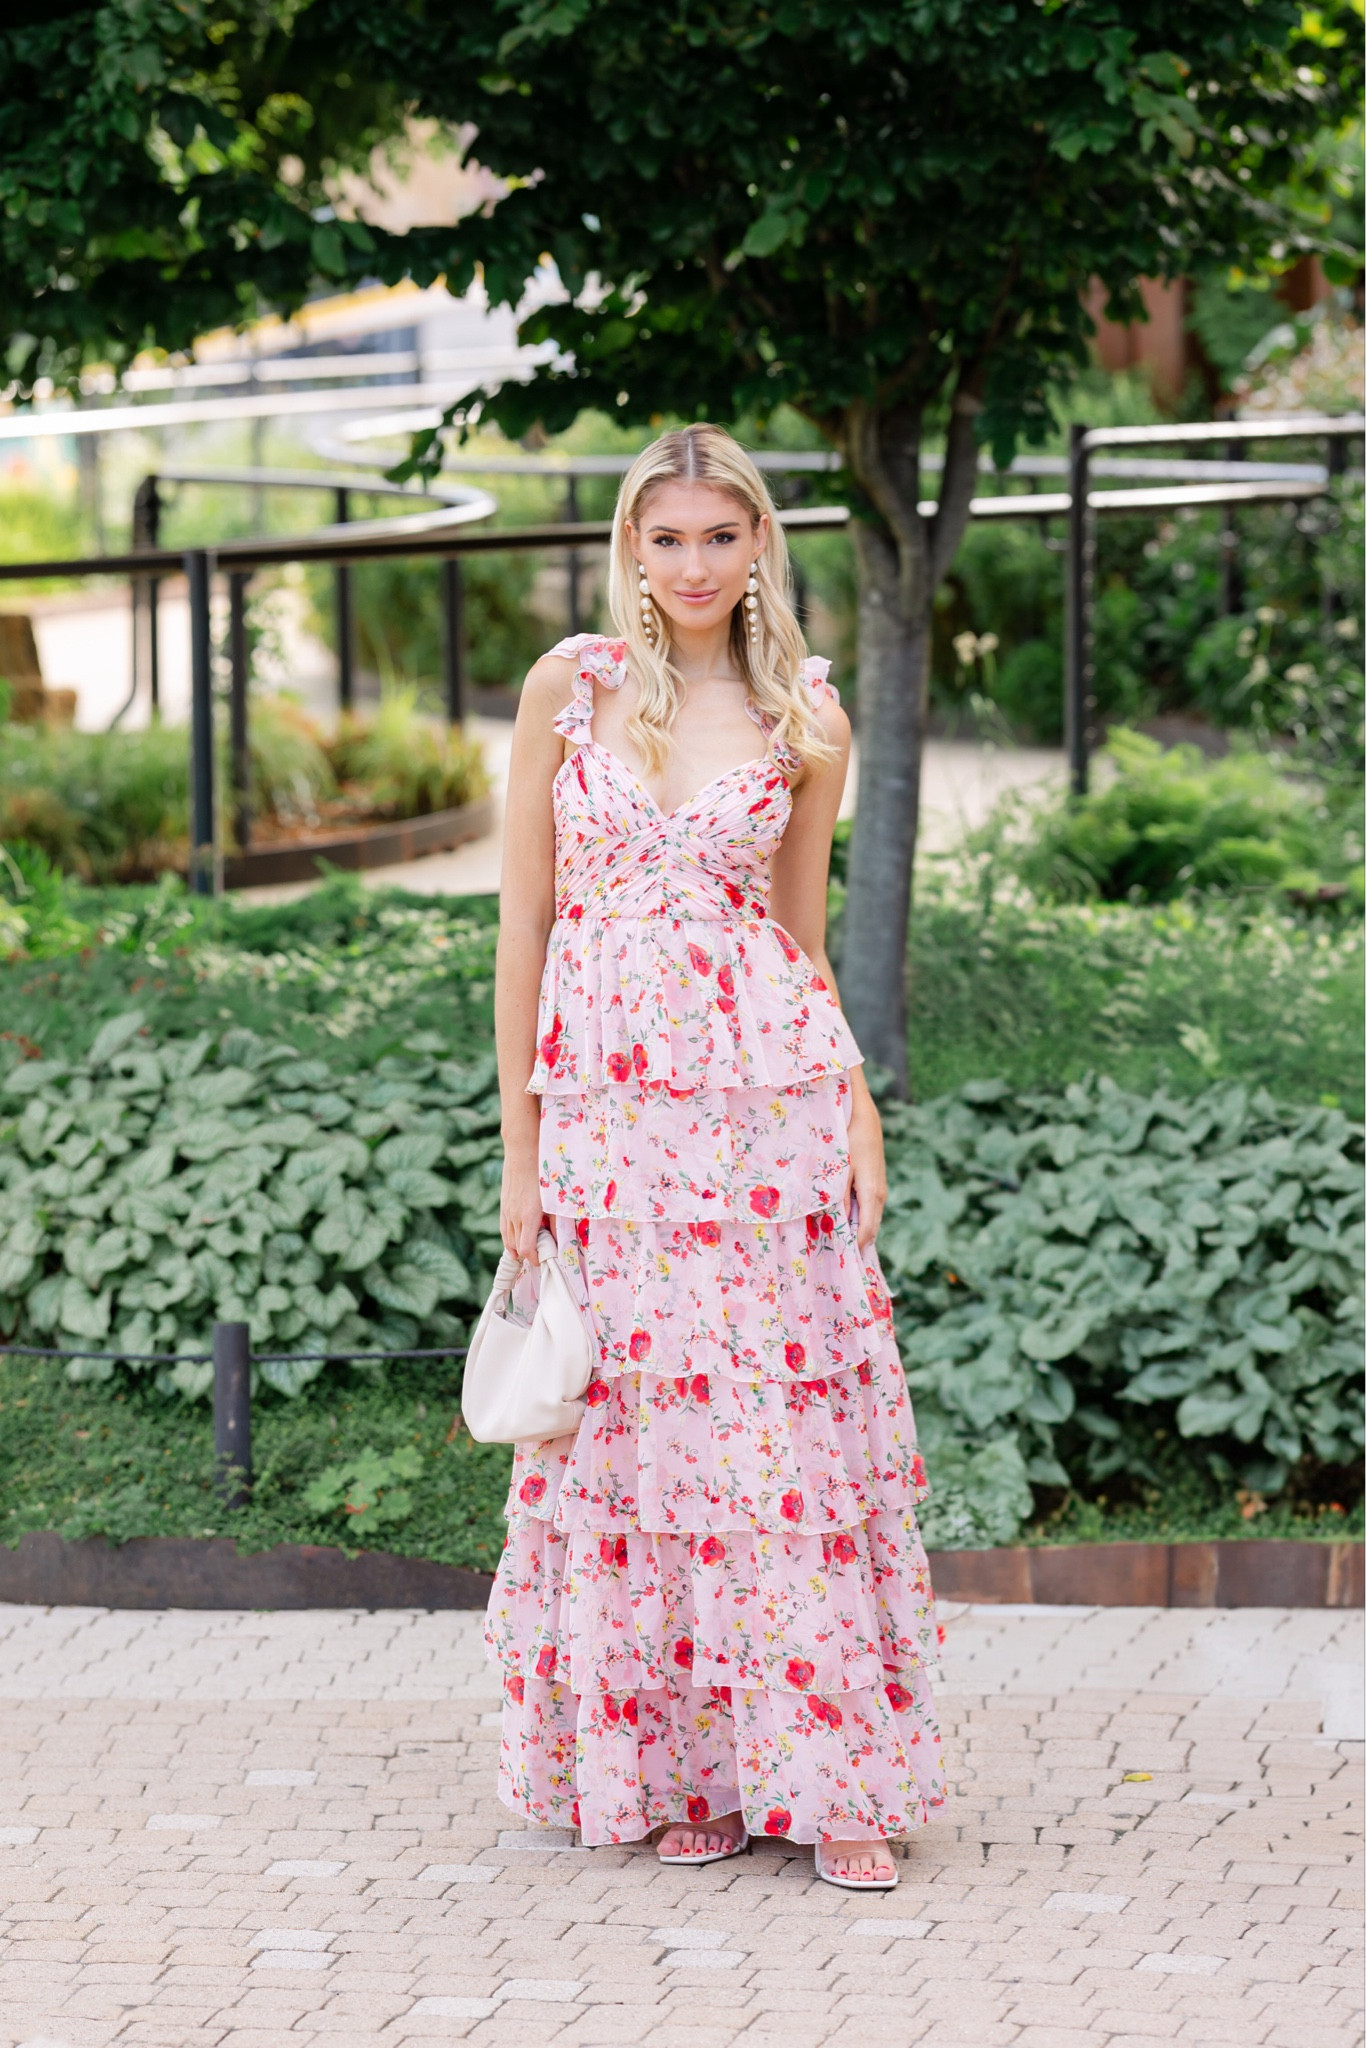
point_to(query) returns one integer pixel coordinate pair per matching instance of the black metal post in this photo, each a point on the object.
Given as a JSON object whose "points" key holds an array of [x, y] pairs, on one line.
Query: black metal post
{"points": [[1078, 670], [232, 1412], [453, 606], [346, 651], [1230, 568], [1337, 467], [201, 726], [147, 534], [237, 713], [571, 560]]}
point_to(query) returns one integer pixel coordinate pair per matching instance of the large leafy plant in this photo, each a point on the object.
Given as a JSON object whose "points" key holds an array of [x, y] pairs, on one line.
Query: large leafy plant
{"points": [[149, 1190], [1090, 1275]]}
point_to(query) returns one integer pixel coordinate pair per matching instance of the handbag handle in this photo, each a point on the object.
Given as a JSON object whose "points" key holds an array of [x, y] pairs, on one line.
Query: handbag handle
{"points": [[510, 1265]]}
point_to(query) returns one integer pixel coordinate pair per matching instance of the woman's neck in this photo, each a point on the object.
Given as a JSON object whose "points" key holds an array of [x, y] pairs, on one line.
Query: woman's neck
{"points": [[699, 652]]}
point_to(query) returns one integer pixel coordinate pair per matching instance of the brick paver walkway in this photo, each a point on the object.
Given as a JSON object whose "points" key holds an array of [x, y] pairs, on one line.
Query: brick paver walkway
{"points": [[266, 1830]]}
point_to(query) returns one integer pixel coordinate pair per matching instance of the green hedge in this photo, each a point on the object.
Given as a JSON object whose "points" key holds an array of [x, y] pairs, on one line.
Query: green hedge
{"points": [[1083, 1278]]}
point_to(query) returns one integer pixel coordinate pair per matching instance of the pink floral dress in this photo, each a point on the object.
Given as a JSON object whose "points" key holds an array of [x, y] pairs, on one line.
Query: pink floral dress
{"points": [[713, 1596]]}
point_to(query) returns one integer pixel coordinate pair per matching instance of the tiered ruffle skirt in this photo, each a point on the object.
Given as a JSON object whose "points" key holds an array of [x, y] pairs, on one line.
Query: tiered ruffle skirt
{"points": [[714, 1596]]}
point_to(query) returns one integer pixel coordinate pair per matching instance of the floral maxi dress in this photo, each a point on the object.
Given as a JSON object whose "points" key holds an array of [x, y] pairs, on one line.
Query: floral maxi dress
{"points": [[713, 1596]]}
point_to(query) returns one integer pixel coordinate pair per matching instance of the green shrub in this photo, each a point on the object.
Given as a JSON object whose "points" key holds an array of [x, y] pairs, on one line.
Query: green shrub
{"points": [[147, 1191], [408, 765], [1081, 1277], [1087, 1276], [111, 806], [1169, 821]]}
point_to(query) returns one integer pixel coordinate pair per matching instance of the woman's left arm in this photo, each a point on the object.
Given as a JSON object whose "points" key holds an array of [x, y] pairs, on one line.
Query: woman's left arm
{"points": [[801, 875]]}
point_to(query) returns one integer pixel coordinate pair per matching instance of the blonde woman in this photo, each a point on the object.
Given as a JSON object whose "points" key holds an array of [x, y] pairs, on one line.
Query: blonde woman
{"points": [[713, 1615]]}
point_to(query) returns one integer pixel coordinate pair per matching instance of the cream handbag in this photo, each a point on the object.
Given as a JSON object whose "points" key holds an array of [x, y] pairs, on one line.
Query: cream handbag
{"points": [[525, 1382]]}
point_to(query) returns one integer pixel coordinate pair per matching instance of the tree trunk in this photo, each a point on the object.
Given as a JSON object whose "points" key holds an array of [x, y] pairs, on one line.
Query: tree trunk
{"points": [[901, 557]]}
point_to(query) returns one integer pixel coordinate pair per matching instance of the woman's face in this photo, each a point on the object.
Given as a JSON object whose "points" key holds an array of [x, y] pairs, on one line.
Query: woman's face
{"points": [[697, 545]]}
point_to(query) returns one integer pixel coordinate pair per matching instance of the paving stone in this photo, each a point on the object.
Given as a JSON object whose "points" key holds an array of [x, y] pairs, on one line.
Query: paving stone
{"points": [[322, 1788]]}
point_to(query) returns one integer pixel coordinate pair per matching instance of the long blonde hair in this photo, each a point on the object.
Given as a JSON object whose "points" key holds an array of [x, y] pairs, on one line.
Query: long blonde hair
{"points": [[772, 666]]}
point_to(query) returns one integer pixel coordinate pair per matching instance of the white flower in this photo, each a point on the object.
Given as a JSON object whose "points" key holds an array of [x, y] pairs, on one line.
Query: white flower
{"points": [[1267, 615], [965, 648], [1260, 670], [988, 643], [1247, 640], [1301, 672], [1346, 629]]}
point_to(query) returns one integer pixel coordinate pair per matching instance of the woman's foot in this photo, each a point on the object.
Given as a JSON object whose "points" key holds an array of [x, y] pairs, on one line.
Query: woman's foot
{"points": [[702, 1838], [865, 1862]]}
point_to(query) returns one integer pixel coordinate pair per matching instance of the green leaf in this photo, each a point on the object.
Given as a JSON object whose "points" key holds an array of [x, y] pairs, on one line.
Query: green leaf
{"points": [[113, 1036]]}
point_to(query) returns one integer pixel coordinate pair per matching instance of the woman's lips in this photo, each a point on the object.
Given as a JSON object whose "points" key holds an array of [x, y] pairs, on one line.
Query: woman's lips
{"points": [[697, 596]]}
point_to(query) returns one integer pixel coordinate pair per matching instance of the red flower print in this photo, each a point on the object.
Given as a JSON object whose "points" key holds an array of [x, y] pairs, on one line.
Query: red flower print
{"points": [[764, 1201], [681, 1388], [516, 1688], [818, 1387], [794, 1356], [596, 1392], [699, 960], [713, 1551], [550, 1050], [833, 1717], [791, 949], [777, 1821], [545, 1663], [827, 1225], [617, 650], [725, 978], [574, 1814], [865, 1373], [698, 1808], [701, 1389], [898, 1699], [707, 1233], [630, 1711], [799, 1672], [611, 1712], [640, 1345], [816, 1707], [575, 909], [844, 1548], [532, 1489], [640, 1059], [735, 895], [619, 1065], [917, 1470], [605, 1549], [581, 1230], [683, 1653], [610, 1195], [813, 1229], [620, 1552], [791, 1505], [816, 982]]}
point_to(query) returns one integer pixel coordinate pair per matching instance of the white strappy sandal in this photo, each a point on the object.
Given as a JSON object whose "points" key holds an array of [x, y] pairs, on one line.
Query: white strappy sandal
{"points": [[856, 1884], [739, 1847]]}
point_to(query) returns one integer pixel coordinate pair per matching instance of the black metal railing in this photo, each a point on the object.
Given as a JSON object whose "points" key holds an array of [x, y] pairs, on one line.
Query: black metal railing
{"points": [[434, 534]]}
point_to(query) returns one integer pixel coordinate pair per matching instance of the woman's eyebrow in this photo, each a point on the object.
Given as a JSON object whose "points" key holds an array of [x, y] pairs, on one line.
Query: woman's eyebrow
{"points": [[721, 526]]}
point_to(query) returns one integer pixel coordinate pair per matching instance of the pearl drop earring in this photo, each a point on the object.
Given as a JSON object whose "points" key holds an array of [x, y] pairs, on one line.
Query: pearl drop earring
{"points": [[752, 603], [647, 615]]}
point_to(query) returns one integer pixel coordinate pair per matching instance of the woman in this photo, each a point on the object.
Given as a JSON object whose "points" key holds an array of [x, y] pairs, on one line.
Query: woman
{"points": [[713, 1614]]}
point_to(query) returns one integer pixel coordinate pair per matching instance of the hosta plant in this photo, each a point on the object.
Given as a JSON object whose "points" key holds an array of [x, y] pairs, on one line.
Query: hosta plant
{"points": [[150, 1190]]}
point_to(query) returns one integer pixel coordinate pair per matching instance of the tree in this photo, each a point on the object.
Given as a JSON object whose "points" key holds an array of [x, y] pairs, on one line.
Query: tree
{"points": [[880, 212]]}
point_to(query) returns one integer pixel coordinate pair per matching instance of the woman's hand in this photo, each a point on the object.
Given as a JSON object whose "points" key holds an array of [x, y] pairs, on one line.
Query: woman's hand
{"points": [[867, 1169], [520, 1213]]}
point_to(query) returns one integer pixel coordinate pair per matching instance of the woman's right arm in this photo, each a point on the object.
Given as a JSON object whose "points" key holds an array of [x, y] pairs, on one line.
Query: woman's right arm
{"points": [[526, 912]]}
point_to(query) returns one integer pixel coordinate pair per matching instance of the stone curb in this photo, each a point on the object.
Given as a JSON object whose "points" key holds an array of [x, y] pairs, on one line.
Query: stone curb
{"points": [[182, 1571]]}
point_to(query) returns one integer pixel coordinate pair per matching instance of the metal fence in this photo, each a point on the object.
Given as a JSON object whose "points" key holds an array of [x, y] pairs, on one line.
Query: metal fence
{"points": [[438, 534]]}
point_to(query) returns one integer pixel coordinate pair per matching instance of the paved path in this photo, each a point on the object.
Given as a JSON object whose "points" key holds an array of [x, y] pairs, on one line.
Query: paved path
{"points": [[271, 1830]]}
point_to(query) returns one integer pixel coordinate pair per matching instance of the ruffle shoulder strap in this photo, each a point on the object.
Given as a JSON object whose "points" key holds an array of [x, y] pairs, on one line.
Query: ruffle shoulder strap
{"points": [[598, 660]]}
